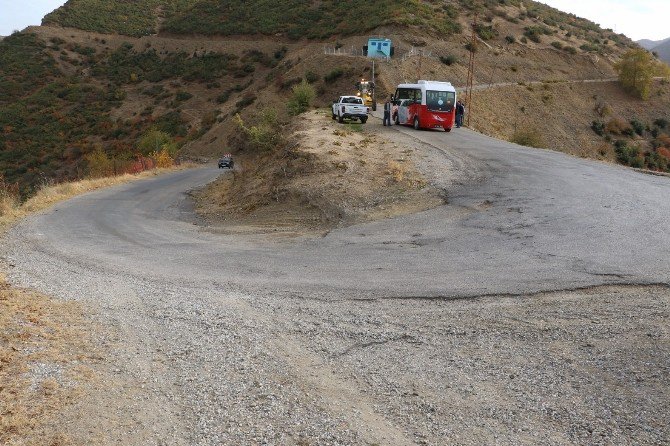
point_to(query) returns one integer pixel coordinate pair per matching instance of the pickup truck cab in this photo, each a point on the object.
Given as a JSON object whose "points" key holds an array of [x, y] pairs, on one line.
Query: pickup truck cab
{"points": [[350, 107]]}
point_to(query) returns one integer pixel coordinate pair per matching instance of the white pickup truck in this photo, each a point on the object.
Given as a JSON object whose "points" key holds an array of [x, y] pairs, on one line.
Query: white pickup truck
{"points": [[350, 107]]}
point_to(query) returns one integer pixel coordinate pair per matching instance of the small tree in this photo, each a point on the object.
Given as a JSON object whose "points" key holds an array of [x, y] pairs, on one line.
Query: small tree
{"points": [[303, 95], [155, 141], [263, 136], [98, 164], [636, 71]]}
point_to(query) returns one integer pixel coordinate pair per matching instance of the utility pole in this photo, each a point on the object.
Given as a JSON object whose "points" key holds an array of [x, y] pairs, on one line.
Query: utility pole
{"points": [[420, 63], [374, 88], [471, 68]]}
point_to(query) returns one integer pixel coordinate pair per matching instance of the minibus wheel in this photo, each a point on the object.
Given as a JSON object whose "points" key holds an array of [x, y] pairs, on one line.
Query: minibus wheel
{"points": [[416, 123]]}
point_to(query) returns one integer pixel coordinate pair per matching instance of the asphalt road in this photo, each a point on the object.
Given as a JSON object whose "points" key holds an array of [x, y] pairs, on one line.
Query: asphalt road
{"points": [[518, 220], [210, 339]]}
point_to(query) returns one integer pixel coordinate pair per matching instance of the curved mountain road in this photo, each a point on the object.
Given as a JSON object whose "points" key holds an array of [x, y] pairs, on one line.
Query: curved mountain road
{"points": [[530, 220], [354, 338]]}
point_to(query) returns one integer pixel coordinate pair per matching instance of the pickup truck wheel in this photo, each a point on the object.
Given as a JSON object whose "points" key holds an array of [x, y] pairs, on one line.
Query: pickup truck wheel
{"points": [[334, 116], [416, 123], [340, 119], [364, 120]]}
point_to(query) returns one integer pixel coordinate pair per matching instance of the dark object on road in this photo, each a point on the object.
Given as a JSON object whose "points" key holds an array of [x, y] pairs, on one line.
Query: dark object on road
{"points": [[226, 161]]}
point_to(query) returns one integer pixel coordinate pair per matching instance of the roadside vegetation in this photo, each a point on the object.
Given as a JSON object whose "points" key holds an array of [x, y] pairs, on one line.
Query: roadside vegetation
{"points": [[637, 70], [636, 143]]}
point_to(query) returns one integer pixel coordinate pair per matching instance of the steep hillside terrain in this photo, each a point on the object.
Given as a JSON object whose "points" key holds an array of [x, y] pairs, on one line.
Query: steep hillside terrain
{"points": [[94, 81]]}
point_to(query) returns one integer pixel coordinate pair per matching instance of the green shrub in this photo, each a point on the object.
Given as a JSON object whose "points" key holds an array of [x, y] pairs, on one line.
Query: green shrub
{"points": [[262, 136], [598, 127], [486, 32], [154, 141], [556, 44], [223, 97], [301, 100], [534, 33], [637, 126], [661, 123], [311, 77], [183, 96], [510, 39], [333, 75], [449, 60], [628, 155], [246, 101], [589, 48], [529, 137]]}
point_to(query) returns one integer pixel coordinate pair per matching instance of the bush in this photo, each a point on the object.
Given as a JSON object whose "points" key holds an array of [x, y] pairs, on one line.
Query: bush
{"points": [[449, 60], [263, 136], [661, 123], [638, 127], [618, 126], [510, 39], [98, 164], [334, 75], [311, 77], [590, 48], [156, 141], [486, 32], [628, 155], [223, 97], [303, 95], [534, 33], [183, 96], [163, 158], [598, 127], [558, 45], [246, 101], [529, 137]]}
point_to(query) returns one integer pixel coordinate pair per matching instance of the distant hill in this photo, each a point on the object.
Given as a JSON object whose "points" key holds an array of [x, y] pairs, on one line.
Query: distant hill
{"points": [[660, 47], [663, 51], [649, 44]]}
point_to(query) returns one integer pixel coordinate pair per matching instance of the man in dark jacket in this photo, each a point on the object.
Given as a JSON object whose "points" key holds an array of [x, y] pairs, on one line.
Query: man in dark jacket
{"points": [[387, 111], [460, 111]]}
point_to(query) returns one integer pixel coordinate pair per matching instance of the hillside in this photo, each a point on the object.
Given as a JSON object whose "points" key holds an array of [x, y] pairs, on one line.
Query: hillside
{"points": [[71, 96]]}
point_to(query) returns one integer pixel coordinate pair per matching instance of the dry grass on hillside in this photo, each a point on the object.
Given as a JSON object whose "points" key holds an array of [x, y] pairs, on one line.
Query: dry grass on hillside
{"points": [[562, 114], [46, 356]]}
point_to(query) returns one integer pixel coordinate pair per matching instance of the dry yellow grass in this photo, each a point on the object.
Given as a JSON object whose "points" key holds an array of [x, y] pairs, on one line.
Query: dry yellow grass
{"points": [[46, 355]]}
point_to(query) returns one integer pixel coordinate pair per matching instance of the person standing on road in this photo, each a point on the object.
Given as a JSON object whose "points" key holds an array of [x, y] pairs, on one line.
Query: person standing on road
{"points": [[460, 112], [387, 112]]}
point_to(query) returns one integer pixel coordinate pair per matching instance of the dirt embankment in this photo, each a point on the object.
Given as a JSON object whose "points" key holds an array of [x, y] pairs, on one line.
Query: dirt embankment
{"points": [[328, 175]]}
